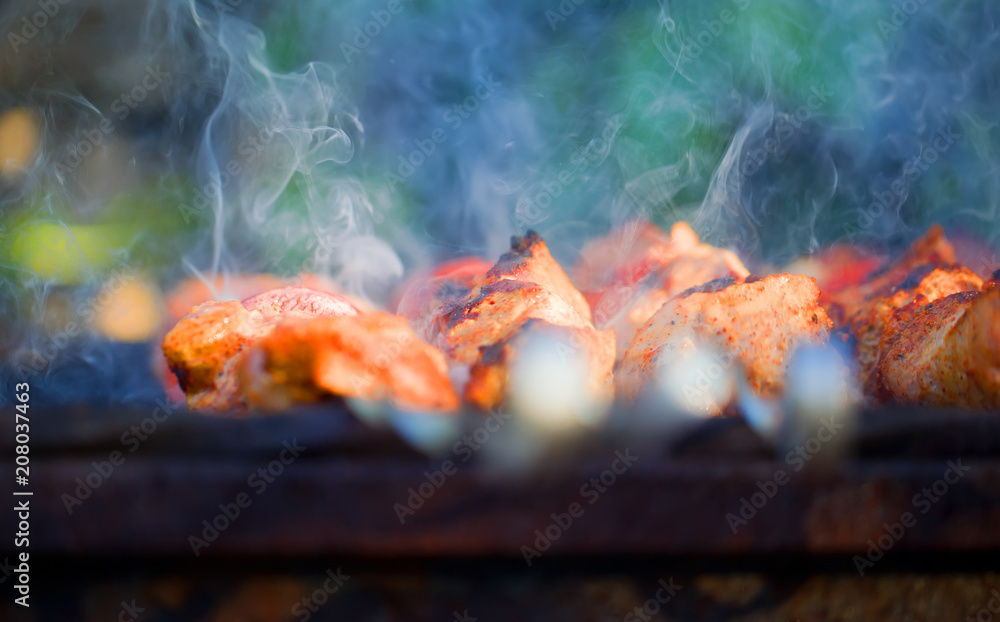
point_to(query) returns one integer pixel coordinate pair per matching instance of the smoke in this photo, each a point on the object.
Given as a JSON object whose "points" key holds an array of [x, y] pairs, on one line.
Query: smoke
{"points": [[837, 111], [364, 139]]}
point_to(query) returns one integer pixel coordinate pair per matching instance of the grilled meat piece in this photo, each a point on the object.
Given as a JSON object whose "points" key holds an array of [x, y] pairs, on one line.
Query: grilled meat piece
{"points": [[298, 302], [526, 283], [188, 294], [943, 353], [425, 294], [838, 267], [759, 321], [192, 292], [494, 312], [489, 375], [929, 283], [203, 347], [197, 291], [932, 247], [631, 246], [529, 261], [629, 274], [481, 328], [375, 356]]}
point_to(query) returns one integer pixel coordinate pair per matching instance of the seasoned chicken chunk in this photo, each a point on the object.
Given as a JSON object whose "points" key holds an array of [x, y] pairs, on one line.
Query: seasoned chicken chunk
{"points": [[425, 294], [759, 321], [481, 329], [375, 356], [529, 261], [526, 283], [188, 294], [298, 302], [494, 312], [192, 292], [196, 291], [489, 376], [628, 275], [929, 283], [203, 347], [932, 247], [944, 353]]}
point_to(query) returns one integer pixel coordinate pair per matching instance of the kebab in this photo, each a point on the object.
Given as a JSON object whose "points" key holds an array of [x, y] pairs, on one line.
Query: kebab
{"points": [[914, 326], [524, 292], [920, 329], [275, 349], [758, 323], [627, 275]]}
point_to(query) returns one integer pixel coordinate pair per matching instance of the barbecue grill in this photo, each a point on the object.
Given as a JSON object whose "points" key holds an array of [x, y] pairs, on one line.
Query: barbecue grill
{"points": [[795, 557], [361, 159]]}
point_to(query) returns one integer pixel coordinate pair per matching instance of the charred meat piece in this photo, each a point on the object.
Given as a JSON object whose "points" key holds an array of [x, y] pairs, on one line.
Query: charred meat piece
{"points": [[629, 274], [494, 312], [203, 347], [929, 283], [529, 261], [933, 247], [759, 321], [943, 353], [489, 375], [526, 283], [375, 356], [481, 329], [426, 293]]}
